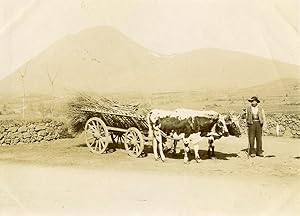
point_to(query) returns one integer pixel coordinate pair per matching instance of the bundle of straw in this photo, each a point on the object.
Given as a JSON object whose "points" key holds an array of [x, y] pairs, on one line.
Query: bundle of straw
{"points": [[81, 107]]}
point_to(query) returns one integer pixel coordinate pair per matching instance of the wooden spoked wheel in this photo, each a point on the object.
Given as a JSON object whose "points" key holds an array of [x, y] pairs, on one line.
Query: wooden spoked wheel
{"points": [[96, 135], [117, 137], [134, 142]]}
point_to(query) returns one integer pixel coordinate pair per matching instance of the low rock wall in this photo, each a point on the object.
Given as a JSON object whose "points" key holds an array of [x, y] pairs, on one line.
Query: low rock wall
{"points": [[13, 132], [287, 125]]}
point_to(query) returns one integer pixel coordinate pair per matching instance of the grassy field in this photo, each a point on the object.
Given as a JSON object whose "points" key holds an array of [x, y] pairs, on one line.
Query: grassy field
{"points": [[38, 107], [281, 96]]}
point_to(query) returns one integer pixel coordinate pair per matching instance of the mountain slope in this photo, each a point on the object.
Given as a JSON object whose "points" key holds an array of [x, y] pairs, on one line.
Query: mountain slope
{"points": [[104, 60], [283, 88]]}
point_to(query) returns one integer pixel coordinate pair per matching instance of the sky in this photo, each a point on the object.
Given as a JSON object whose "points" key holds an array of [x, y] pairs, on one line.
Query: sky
{"points": [[266, 28]]}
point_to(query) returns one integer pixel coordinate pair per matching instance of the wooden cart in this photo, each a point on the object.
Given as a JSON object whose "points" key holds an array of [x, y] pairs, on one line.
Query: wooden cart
{"points": [[118, 127]]}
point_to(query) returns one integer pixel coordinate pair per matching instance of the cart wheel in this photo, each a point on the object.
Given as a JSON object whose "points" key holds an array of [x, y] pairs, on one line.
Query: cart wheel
{"points": [[96, 135], [134, 142], [117, 137]]}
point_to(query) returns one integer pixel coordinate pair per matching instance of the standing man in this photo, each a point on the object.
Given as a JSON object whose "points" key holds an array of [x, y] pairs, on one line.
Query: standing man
{"points": [[255, 118]]}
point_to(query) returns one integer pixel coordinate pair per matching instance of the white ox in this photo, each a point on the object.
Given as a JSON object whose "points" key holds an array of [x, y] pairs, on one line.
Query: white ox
{"points": [[189, 125]]}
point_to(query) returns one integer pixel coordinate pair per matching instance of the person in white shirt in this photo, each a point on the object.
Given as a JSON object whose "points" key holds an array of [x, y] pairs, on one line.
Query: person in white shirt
{"points": [[255, 118]]}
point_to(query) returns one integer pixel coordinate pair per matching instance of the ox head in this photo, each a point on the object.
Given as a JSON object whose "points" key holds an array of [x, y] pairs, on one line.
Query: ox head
{"points": [[232, 123], [220, 128]]}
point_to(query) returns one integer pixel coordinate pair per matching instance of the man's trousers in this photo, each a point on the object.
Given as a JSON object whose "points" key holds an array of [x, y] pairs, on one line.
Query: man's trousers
{"points": [[255, 133]]}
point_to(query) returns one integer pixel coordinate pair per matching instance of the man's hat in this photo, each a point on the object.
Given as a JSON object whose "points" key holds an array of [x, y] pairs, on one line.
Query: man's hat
{"points": [[254, 98]]}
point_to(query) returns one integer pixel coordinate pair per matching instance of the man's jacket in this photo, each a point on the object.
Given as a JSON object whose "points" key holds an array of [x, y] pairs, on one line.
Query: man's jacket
{"points": [[261, 116]]}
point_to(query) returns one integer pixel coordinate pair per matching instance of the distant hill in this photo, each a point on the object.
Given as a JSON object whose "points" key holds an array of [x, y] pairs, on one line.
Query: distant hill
{"points": [[280, 96], [278, 88], [104, 60]]}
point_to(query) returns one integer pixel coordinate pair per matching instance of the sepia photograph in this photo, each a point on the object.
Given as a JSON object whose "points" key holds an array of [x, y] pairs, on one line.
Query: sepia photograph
{"points": [[150, 107]]}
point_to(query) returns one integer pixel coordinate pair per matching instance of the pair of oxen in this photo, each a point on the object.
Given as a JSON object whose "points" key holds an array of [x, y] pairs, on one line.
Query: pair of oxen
{"points": [[190, 126]]}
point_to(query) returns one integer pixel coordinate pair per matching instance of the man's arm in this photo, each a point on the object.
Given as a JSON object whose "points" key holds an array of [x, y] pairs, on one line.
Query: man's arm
{"points": [[264, 118]]}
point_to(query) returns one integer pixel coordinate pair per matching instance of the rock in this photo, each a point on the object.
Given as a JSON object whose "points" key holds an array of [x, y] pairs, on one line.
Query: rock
{"points": [[40, 127], [58, 123], [13, 129], [9, 135], [266, 131], [33, 134], [26, 135], [16, 140], [22, 129], [42, 133], [31, 131], [59, 128], [47, 120], [281, 130], [50, 130], [13, 135], [39, 138], [31, 126], [288, 133], [56, 135], [48, 138], [27, 140], [2, 129], [272, 131], [17, 134]]}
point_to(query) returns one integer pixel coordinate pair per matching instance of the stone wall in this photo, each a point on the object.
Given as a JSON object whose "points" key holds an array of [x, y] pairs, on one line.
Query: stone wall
{"points": [[288, 125], [13, 132]]}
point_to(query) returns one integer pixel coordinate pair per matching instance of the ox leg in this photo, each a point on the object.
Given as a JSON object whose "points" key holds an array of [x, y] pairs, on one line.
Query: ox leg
{"points": [[186, 151], [159, 139], [161, 152], [174, 147], [210, 151], [195, 142], [154, 145], [196, 149], [213, 151]]}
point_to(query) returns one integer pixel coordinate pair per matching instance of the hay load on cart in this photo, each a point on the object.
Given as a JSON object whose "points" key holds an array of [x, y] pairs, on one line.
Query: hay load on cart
{"points": [[104, 120]]}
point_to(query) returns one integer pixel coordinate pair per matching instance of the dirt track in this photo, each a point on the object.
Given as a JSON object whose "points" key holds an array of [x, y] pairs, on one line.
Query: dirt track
{"points": [[63, 178]]}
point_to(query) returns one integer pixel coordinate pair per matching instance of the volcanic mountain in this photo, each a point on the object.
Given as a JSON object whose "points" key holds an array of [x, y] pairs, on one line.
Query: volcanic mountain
{"points": [[103, 60]]}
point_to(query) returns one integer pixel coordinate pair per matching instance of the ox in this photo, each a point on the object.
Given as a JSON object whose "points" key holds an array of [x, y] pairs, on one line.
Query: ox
{"points": [[233, 127], [189, 125]]}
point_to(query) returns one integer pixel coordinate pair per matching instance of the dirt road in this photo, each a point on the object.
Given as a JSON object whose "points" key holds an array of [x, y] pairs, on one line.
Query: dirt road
{"points": [[63, 178]]}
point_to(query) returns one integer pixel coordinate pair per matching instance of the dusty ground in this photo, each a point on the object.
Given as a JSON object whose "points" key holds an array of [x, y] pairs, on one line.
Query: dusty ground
{"points": [[63, 178]]}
